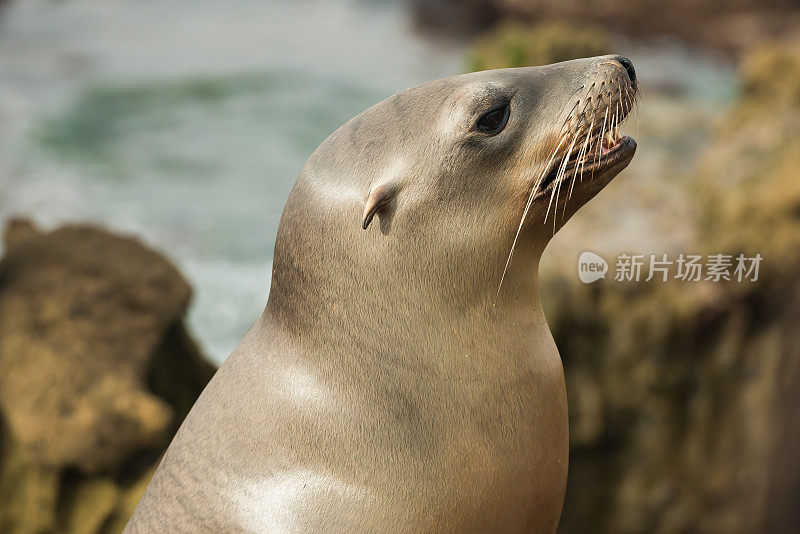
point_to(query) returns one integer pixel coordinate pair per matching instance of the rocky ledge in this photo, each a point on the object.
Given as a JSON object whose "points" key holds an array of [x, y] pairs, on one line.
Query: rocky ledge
{"points": [[683, 396], [96, 373]]}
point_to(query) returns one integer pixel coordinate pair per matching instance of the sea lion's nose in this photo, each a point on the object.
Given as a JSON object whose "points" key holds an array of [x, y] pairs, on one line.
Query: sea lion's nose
{"points": [[628, 65]]}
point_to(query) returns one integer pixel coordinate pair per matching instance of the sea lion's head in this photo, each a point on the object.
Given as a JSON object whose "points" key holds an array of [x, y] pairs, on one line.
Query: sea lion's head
{"points": [[432, 188], [534, 132]]}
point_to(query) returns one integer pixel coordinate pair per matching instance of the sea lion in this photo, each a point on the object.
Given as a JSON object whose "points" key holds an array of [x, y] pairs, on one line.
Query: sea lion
{"points": [[402, 377]]}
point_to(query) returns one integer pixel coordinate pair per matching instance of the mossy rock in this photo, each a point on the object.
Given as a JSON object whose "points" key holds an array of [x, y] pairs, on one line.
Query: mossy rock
{"points": [[771, 75], [28, 492], [683, 396], [89, 505], [128, 499], [97, 372], [754, 165], [513, 44]]}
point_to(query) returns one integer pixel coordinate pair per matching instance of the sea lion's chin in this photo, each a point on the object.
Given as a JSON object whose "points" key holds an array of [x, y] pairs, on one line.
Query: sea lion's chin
{"points": [[587, 177], [607, 167], [567, 188]]}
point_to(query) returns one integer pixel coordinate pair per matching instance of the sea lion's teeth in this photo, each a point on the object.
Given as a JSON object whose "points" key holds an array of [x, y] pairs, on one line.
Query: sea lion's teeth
{"points": [[609, 139]]}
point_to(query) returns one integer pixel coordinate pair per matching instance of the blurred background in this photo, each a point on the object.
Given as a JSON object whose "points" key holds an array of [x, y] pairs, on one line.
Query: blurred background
{"points": [[147, 149]]}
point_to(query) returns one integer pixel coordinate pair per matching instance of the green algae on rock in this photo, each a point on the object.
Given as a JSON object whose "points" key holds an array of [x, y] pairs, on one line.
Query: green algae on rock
{"points": [[515, 44]]}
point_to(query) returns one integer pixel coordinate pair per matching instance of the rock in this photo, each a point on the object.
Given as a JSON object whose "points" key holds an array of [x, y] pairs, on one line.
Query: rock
{"points": [[28, 492], [733, 27], [89, 503], [761, 136], [455, 17], [683, 396], [96, 374], [521, 45]]}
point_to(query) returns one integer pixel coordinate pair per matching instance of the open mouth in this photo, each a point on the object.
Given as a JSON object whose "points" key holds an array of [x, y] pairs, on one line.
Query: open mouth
{"points": [[589, 156]]}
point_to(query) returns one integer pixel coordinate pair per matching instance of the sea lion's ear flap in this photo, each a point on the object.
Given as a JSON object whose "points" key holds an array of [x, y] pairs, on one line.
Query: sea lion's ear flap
{"points": [[379, 196]]}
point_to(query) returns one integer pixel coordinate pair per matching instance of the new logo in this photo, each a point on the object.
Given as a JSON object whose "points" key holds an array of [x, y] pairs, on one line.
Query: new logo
{"points": [[591, 267]]}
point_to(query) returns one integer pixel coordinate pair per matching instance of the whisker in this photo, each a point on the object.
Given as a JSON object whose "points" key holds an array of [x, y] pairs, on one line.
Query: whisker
{"points": [[575, 171], [564, 137], [534, 190], [600, 142], [586, 147], [581, 159], [569, 115], [558, 180]]}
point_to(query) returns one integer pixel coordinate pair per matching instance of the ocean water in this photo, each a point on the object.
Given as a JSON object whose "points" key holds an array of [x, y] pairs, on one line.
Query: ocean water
{"points": [[186, 122]]}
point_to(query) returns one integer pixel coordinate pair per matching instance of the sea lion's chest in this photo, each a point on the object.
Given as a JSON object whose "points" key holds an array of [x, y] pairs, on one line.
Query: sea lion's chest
{"points": [[462, 448], [288, 445]]}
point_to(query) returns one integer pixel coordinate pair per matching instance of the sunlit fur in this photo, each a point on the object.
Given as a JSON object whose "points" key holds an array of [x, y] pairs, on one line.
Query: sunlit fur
{"points": [[389, 386]]}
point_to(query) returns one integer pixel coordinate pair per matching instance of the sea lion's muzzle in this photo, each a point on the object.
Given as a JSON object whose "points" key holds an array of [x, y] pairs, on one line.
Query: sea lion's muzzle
{"points": [[590, 142]]}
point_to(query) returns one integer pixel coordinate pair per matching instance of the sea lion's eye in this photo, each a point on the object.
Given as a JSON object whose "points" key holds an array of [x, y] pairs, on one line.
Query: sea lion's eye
{"points": [[494, 121]]}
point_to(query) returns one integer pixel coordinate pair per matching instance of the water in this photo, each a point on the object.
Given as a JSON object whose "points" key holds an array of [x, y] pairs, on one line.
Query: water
{"points": [[186, 122]]}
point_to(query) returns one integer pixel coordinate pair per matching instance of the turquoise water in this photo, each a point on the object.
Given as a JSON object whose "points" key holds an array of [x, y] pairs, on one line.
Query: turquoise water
{"points": [[186, 122], [202, 167]]}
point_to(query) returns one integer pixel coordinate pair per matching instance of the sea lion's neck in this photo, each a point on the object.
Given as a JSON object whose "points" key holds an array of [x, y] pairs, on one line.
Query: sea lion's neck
{"points": [[413, 324], [413, 296]]}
